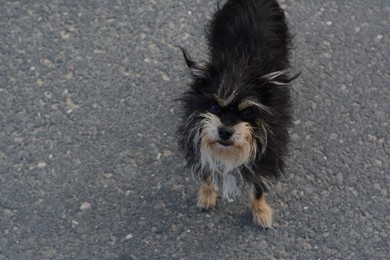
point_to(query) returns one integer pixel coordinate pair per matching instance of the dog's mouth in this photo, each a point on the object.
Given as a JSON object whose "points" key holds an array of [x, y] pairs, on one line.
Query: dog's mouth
{"points": [[225, 143]]}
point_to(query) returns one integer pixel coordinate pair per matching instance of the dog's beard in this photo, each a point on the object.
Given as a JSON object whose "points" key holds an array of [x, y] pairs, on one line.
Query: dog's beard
{"points": [[224, 162], [221, 157]]}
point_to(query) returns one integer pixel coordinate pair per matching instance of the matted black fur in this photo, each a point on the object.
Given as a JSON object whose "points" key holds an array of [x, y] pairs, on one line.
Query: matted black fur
{"points": [[249, 46]]}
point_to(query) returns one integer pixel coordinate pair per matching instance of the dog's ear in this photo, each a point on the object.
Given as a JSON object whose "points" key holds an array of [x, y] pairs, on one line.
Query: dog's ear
{"points": [[280, 78], [198, 70]]}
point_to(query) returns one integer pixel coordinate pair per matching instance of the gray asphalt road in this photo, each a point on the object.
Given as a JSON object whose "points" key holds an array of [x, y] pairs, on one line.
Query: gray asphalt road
{"points": [[89, 167]]}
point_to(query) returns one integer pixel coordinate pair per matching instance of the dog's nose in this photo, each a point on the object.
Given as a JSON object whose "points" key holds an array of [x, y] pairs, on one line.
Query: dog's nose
{"points": [[225, 133]]}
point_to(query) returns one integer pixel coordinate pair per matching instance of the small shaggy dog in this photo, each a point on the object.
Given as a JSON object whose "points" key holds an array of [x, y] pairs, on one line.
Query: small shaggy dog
{"points": [[237, 110]]}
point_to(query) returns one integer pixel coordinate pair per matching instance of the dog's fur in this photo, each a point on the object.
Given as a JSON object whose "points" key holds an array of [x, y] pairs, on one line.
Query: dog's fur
{"points": [[237, 110]]}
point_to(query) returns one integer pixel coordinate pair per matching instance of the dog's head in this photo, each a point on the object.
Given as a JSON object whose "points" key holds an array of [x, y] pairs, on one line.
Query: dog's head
{"points": [[230, 113]]}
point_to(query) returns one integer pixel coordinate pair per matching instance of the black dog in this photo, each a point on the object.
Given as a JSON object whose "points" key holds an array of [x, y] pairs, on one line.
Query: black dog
{"points": [[237, 111]]}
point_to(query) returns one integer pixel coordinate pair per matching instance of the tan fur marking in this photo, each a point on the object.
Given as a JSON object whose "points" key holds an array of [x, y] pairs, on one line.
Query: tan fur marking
{"points": [[240, 151], [262, 213], [246, 103], [207, 196]]}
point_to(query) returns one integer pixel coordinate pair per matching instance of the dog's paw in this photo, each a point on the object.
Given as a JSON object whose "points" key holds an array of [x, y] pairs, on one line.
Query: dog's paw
{"points": [[262, 213], [207, 197]]}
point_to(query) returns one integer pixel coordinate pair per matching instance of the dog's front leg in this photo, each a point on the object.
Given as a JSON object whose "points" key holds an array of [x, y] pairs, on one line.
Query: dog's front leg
{"points": [[262, 213], [207, 195]]}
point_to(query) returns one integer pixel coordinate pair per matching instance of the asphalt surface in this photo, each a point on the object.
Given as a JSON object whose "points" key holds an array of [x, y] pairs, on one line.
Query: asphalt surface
{"points": [[89, 166]]}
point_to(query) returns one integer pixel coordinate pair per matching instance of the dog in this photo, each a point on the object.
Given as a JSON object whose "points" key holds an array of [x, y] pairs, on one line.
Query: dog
{"points": [[237, 110]]}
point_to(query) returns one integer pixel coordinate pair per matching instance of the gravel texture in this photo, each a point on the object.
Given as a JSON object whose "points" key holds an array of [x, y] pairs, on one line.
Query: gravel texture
{"points": [[89, 167]]}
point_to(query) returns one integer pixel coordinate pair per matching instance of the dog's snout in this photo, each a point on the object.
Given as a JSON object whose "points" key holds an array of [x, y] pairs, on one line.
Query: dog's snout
{"points": [[225, 133]]}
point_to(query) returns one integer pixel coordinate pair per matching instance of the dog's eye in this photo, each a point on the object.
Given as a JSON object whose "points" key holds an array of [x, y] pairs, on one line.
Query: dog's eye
{"points": [[214, 108], [247, 113]]}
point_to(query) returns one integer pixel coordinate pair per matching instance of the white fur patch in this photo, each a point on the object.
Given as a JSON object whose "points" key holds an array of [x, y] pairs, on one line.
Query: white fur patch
{"points": [[229, 185]]}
